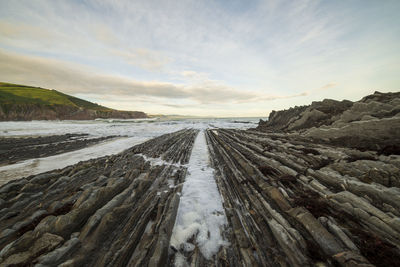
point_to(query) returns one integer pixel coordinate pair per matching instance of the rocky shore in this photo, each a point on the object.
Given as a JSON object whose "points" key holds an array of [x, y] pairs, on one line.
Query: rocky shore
{"points": [[373, 123], [113, 211], [16, 149], [317, 185], [313, 185], [296, 203]]}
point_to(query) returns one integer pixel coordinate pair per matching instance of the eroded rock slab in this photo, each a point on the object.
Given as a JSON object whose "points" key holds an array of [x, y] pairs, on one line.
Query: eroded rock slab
{"points": [[373, 123], [13, 149], [294, 202], [113, 211]]}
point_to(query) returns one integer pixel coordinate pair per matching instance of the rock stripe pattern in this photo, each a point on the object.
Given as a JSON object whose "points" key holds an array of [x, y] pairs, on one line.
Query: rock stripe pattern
{"points": [[17, 149], [291, 202], [113, 211]]}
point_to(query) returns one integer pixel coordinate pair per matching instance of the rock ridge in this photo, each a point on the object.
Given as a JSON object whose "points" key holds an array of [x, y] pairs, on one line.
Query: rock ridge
{"points": [[373, 123]]}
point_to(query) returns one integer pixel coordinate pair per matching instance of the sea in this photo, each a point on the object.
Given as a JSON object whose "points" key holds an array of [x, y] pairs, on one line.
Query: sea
{"points": [[130, 133]]}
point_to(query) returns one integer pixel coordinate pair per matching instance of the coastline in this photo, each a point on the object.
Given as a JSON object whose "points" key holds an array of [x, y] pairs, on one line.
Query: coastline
{"points": [[291, 196]]}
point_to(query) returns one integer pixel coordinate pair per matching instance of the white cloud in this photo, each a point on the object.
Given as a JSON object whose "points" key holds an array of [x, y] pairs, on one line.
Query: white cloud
{"points": [[77, 79], [182, 53], [144, 58]]}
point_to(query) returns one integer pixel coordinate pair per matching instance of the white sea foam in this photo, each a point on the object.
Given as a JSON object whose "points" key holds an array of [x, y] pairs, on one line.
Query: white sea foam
{"points": [[39, 165], [200, 213], [115, 127], [134, 131]]}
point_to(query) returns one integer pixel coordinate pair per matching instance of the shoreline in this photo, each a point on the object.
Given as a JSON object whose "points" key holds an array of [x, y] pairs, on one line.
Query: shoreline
{"points": [[291, 195]]}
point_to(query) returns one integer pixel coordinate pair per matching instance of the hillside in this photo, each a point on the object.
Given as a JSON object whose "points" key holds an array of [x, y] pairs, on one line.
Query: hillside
{"points": [[20, 102]]}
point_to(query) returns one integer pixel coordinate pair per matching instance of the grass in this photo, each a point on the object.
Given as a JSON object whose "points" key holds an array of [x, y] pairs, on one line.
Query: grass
{"points": [[21, 94]]}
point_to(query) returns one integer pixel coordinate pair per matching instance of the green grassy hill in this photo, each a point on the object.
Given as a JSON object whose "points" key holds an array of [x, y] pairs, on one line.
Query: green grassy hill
{"points": [[20, 102], [21, 94]]}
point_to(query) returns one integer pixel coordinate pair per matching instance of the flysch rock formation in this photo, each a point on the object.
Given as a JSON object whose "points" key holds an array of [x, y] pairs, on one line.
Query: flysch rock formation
{"points": [[113, 211], [313, 186], [296, 203], [373, 123], [14, 149]]}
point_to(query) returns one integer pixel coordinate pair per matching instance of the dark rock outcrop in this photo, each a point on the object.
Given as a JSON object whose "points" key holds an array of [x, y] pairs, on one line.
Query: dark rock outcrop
{"points": [[113, 211], [373, 123], [317, 114], [322, 189], [314, 186], [292, 202], [14, 149]]}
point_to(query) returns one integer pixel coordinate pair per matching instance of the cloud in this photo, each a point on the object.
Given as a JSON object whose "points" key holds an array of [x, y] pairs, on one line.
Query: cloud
{"points": [[176, 105], [20, 30], [41, 39], [214, 91], [104, 34], [328, 86], [144, 58], [322, 88], [189, 73], [79, 79], [100, 39], [75, 78]]}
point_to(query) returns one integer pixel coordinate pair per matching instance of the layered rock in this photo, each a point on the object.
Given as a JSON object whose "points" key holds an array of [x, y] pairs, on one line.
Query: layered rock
{"points": [[291, 202], [318, 189], [373, 123], [13, 149], [315, 185], [318, 113], [113, 211]]}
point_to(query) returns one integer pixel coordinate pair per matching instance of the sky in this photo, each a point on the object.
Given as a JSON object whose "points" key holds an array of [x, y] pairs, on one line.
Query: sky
{"points": [[215, 58]]}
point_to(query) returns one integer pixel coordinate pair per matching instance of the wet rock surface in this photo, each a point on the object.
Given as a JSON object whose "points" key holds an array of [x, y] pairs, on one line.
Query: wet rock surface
{"points": [[15, 149], [314, 186], [296, 203], [320, 188], [113, 211]]}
